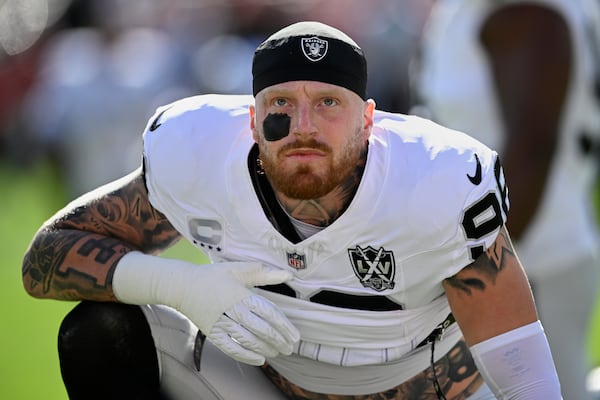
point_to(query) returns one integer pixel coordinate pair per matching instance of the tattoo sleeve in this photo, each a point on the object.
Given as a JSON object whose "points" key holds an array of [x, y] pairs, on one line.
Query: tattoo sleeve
{"points": [[486, 268], [491, 295], [74, 255]]}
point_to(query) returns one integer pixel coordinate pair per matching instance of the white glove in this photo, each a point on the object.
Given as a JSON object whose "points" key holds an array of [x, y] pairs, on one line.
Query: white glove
{"points": [[252, 330], [215, 297]]}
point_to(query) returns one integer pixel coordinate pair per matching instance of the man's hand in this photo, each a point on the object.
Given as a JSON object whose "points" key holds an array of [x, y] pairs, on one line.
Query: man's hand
{"points": [[252, 330], [216, 297]]}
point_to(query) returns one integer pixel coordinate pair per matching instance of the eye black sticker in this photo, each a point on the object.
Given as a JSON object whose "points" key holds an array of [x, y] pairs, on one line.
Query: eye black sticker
{"points": [[276, 126]]}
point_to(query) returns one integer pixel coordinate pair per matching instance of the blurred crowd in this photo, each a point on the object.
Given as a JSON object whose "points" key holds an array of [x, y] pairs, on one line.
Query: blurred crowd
{"points": [[80, 78]]}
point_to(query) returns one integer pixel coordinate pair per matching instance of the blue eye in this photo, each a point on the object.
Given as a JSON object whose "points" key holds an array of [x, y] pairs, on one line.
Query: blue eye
{"points": [[280, 102], [329, 102]]}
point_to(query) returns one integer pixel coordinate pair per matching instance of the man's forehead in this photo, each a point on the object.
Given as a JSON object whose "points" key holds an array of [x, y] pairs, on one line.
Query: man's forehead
{"points": [[305, 87]]}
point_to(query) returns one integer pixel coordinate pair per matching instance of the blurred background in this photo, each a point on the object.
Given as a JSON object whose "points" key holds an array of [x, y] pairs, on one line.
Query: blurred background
{"points": [[79, 80]]}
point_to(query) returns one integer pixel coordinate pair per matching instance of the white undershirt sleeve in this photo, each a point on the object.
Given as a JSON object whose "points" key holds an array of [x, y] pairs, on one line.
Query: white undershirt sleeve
{"points": [[518, 364]]}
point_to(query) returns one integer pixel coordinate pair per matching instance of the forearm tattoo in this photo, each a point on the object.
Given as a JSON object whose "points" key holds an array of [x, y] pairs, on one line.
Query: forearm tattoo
{"points": [[487, 266], [74, 257], [71, 264], [456, 373]]}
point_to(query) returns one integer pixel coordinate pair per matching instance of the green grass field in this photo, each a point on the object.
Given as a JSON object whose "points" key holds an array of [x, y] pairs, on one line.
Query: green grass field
{"points": [[29, 363]]}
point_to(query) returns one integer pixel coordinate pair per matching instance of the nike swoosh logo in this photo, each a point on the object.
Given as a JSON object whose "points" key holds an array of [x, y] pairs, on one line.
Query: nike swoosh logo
{"points": [[155, 123], [476, 179]]}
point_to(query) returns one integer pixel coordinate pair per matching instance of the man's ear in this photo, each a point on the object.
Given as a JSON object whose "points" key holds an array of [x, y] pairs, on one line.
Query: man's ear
{"points": [[369, 113], [252, 110]]}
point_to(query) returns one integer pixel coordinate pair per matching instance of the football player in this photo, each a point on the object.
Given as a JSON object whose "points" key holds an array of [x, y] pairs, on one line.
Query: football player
{"points": [[356, 254]]}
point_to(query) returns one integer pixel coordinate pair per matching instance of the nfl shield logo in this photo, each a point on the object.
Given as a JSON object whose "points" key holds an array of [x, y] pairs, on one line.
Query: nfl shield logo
{"points": [[314, 48], [375, 268], [296, 260]]}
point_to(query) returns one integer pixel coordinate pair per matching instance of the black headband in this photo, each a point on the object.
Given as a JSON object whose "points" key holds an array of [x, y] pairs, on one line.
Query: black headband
{"points": [[310, 51]]}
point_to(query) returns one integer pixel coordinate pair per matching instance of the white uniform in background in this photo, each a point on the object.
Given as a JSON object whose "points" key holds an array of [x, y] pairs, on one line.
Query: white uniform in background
{"points": [[429, 202], [559, 248]]}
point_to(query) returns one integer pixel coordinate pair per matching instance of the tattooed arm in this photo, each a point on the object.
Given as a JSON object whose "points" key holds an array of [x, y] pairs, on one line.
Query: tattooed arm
{"points": [[492, 295], [74, 254], [493, 305], [79, 254]]}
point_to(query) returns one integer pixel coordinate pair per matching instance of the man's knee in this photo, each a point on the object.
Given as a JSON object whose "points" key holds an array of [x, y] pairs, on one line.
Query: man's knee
{"points": [[106, 350]]}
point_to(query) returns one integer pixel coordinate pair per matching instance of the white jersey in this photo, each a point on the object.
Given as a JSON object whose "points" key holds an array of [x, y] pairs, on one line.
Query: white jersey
{"points": [[456, 85], [366, 289]]}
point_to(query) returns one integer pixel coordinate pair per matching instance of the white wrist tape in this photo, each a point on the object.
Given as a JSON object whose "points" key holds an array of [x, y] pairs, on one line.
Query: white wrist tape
{"points": [[201, 292], [518, 364]]}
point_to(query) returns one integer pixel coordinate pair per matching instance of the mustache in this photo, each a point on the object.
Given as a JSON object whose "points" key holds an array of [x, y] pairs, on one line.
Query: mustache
{"points": [[306, 144]]}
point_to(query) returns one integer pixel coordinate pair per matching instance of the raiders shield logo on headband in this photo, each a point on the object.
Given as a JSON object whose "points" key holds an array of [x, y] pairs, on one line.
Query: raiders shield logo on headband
{"points": [[314, 48]]}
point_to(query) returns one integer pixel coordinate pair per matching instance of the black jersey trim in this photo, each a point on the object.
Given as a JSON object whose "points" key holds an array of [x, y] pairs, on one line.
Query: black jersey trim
{"points": [[274, 213]]}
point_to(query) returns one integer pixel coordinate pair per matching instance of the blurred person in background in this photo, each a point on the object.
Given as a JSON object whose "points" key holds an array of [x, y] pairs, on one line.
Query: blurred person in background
{"points": [[523, 77]]}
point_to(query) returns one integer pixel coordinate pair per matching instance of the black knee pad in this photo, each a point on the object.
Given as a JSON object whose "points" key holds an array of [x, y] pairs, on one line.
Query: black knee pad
{"points": [[106, 351]]}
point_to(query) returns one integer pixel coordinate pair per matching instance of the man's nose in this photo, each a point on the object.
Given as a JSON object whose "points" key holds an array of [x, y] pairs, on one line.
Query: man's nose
{"points": [[303, 121]]}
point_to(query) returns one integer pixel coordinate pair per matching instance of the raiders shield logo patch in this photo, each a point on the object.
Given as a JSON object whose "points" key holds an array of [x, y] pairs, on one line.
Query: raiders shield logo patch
{"points": [[314, 48], [374, 268]]}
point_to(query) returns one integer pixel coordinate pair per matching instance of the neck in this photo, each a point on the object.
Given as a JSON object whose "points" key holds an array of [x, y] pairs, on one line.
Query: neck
{"points": [[323, 211]]}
